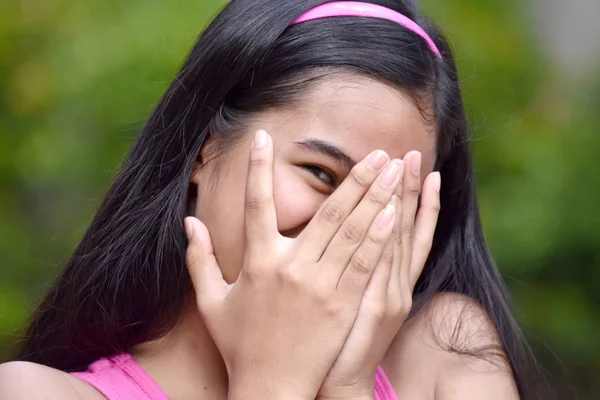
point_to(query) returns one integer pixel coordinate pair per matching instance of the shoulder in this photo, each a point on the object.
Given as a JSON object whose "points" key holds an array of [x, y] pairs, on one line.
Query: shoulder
{"points": [[450, 349], [451, 323], [26, 380]]}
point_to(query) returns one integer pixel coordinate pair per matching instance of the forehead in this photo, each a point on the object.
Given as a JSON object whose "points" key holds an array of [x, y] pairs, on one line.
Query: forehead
{"points": [[357, 115]]}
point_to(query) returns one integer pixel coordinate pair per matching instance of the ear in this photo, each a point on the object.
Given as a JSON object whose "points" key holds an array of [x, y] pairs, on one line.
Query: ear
{"points": [[201, 159], [198, 176], [195, 183], [195, 176]]}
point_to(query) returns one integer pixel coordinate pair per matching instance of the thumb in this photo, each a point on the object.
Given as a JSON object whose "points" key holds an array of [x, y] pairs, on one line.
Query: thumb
{"points": [[201, 262]]}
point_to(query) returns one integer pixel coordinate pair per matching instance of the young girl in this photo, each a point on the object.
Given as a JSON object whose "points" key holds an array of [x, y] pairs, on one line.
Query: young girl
{"points": [[296, 166]]}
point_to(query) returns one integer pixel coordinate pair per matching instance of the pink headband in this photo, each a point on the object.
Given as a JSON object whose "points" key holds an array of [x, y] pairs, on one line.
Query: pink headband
{"points": [[359, 9]]}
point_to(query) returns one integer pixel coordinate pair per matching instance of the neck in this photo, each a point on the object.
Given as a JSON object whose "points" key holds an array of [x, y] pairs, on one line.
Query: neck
{"points": [[185, 362]]}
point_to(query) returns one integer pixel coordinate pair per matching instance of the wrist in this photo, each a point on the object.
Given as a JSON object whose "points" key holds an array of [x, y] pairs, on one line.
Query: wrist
{"points": [[263, 394], [370, 396], [356, 391], [264, 389]]}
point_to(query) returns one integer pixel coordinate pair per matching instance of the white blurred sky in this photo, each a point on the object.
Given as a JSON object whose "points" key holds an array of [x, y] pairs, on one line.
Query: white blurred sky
{"points": [[569, 33]]}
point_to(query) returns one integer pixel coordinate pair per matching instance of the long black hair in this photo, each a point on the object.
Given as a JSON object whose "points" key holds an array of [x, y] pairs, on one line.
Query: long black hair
{"points": [[126, 282]]}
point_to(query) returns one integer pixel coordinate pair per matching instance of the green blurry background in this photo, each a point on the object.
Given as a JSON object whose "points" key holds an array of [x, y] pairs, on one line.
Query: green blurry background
{"points": [[78, 78]]}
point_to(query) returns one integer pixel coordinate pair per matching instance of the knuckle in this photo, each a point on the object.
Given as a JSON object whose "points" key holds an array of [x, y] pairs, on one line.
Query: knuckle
{"points": [[258, 160], [359, 178], [408, 231], [388, 258], [398, 310], [361, 264], [289, 277], [394, 306], [190, 258], [255, 204], [378, 198], [379, 314], [351, 233], [321, 292], [404, 309], [398, 305], [405, 303], [332, 213], [377, 240], [413, 188], [397, 234], [333, 309]]}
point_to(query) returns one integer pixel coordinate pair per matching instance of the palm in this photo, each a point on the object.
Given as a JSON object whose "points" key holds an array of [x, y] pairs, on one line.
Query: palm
{"points": [[362, 344]]}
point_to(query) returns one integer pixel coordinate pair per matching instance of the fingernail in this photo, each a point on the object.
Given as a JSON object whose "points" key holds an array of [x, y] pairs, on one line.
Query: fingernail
{"points": [[389, 176], [387, 215], [416, 164], [377, 160], [189, 227], [260, 139], [437, 181]]}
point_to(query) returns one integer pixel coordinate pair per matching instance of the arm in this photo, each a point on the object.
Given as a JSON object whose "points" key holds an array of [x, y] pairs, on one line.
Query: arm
{"points": [[484, 375], [477, 379], [420, 365]]}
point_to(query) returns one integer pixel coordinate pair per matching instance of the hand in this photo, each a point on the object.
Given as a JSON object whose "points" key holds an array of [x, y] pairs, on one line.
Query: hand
{"points": [[281, 325], [388, 298]]}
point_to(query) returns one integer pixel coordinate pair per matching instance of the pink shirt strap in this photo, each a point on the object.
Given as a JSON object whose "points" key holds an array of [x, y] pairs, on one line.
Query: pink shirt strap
{"points": [[121, 378], [383, 388]]}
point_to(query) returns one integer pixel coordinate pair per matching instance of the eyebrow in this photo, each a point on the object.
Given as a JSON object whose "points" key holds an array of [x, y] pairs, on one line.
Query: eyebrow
{"points": [[329, 150]]}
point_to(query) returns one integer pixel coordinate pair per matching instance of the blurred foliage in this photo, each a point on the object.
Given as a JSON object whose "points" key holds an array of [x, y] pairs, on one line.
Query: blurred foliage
{"points": [[77, 80]]}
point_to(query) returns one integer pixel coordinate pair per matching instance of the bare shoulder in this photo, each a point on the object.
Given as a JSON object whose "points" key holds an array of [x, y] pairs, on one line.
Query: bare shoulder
{"points": [[449, 350], [25, 380]]}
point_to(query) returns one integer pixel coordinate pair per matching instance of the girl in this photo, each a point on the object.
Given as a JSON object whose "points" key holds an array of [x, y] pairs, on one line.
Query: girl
{"points": [[304, 245]]}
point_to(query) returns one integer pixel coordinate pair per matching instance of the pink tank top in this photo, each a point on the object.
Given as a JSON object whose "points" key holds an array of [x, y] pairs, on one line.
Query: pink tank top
{"points": [[121, 378]]}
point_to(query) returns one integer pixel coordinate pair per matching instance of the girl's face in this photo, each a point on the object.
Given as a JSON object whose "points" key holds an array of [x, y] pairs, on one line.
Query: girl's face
{"points": [[315, 146]]}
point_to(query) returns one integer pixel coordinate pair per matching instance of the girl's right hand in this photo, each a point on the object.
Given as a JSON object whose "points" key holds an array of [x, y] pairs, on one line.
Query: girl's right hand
{"points": [[281, 325]]}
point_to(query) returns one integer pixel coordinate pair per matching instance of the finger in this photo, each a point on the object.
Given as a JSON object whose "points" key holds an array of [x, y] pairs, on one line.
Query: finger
{"points": [[202, 265], [260, 217], [411, 188], [379, 285], [425, 224], [320, 230], [353, 230], [397, 232], [360, 268]]}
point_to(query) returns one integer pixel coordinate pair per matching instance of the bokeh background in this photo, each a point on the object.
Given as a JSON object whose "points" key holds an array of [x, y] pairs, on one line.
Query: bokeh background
{"points": [[78, 78]]}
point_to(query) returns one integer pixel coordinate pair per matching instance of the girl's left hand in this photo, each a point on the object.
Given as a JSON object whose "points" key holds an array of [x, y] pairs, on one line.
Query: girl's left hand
{"points": [[388, 298]]}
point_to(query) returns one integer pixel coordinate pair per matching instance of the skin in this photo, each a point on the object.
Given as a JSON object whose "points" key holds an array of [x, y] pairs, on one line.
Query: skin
{"points": [[356, 116]]}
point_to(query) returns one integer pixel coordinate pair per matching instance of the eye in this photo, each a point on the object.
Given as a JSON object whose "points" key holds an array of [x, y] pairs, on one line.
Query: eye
{"points": [[322, 174]]}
